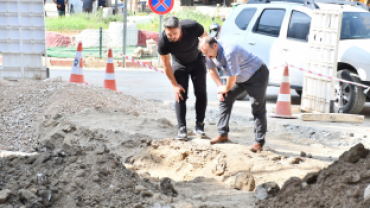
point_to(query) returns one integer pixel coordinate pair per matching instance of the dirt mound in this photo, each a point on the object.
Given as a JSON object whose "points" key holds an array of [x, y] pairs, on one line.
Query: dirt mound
{"points": [[230, 163], [145, 145], [54, 39], [84, 134], [342, 184], [5, 83], [75, 176], [24, 105], [127, 135]]}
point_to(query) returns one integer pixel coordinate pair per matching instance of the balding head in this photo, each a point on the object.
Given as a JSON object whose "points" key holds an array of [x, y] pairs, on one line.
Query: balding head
{"points": [[208, 46]]}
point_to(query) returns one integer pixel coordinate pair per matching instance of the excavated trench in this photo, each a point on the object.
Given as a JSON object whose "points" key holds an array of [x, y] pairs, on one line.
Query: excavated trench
{"points": [[98, 148]]}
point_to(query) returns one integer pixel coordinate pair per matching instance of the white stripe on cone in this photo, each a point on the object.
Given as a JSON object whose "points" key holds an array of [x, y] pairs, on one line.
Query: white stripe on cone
{"points": [[284, 97], [79, 54], [285, 79], [77, 70], [109, 76], [110, 61]]}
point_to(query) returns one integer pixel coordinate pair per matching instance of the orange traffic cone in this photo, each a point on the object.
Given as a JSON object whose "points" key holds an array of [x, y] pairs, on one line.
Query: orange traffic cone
{"points": [[109, 81], [77, 68], [283, 106]]}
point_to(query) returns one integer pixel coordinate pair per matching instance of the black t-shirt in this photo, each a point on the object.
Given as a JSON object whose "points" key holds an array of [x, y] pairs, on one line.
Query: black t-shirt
{"points": [[186, 50]]}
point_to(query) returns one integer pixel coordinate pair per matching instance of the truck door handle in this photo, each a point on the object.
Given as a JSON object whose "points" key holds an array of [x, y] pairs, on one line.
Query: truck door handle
{"points": [[285, 49], [251, 43]]}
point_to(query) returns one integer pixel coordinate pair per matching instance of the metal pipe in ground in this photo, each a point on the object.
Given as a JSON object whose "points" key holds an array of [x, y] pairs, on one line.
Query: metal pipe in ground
{"points": [[160, 30]]}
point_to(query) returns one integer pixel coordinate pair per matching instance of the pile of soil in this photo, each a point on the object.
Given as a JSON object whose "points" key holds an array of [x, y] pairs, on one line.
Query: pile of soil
{"points": [[24, 106], [97, 148], [342, 184], [146, 147], [63, 175]]}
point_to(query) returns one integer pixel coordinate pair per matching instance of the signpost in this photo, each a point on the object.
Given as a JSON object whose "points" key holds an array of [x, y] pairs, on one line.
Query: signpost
{"points": [[124, 33], [161, 7]]}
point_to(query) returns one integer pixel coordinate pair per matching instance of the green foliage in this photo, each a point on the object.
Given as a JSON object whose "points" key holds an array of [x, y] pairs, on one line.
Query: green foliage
{"points": [[82, 21]]}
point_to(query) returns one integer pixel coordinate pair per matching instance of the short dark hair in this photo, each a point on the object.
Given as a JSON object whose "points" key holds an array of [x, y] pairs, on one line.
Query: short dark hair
{"points": [[171, 22]]}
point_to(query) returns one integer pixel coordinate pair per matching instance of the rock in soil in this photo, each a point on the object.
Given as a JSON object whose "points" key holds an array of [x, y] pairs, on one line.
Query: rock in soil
{"points": [[78, 179], [303, 154], [267, 190], [245, 181], [4, 194]]}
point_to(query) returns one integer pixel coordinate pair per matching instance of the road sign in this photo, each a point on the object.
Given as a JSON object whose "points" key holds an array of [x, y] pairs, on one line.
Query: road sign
{"points": [[161, 6]]}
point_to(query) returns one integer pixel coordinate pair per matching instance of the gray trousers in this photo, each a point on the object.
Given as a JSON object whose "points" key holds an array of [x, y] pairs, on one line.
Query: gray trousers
{"points": [[256, 87]]}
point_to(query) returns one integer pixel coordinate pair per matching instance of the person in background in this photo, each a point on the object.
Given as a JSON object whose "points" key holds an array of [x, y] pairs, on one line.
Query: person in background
{"points": [[44, 7], [101, 4], [87, 5], [61, 7]]}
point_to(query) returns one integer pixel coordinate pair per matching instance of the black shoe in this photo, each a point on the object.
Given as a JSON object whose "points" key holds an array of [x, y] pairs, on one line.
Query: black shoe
{"points": [[182, 134], [199, 129]]}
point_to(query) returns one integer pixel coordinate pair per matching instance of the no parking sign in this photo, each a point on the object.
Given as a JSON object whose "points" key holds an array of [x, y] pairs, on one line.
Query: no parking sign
{"points": [[161, 7]]}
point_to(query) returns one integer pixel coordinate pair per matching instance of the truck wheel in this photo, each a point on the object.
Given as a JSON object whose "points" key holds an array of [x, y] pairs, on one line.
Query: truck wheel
{"points": [[348, 98]]}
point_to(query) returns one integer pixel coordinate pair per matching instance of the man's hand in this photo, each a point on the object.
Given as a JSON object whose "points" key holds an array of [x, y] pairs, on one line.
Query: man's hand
{"points": [[178, 89], [221, 93], [58, 5], [221, 97], [222, 90], [169, 73]]}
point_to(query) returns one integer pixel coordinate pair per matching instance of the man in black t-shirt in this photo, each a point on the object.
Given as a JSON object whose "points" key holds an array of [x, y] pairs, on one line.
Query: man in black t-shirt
{"points": [[180, 39]]}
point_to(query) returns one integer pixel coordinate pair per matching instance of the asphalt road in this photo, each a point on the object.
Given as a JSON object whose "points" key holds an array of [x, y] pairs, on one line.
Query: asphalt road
{"points": [[148, 84], [151, 85]]}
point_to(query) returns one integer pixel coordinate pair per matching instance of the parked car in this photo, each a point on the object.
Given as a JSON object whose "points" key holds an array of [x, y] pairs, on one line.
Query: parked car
{"points": [[277, 31]]}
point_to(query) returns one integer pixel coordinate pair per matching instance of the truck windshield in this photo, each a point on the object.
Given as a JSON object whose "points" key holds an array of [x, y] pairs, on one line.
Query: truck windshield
{"points": [[355, 25]]}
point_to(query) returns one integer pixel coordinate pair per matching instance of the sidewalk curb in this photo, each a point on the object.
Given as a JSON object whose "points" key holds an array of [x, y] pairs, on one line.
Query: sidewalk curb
{"points": [[61, 61], [68, 62], [305, 130]]}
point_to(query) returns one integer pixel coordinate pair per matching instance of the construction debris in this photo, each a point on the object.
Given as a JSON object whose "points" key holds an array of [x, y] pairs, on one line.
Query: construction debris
{"points": [[342, 184], [84, 146], [338, 117]]}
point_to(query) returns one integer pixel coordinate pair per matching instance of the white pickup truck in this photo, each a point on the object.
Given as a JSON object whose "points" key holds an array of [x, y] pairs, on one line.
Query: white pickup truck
{"points": [[277, 31]]}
